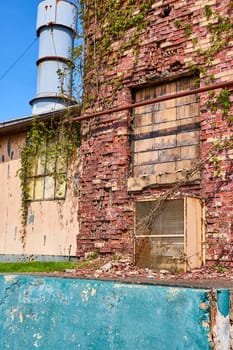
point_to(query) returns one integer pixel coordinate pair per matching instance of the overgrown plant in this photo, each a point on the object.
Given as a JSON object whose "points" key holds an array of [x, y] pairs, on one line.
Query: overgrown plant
{"points": [[220, 34], [106, 24], [74, 65], [77, 55], [56, 139]]}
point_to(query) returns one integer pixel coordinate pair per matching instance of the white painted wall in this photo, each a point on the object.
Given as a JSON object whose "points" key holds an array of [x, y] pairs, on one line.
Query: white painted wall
{"points": [[52, 225]]}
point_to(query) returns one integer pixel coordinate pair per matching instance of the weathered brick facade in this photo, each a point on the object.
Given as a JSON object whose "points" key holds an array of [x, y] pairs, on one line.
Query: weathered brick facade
{"points": [[169, 47]]}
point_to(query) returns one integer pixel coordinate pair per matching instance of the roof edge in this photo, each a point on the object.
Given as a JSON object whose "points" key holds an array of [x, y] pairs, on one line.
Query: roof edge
{"points": [[22, 124]]}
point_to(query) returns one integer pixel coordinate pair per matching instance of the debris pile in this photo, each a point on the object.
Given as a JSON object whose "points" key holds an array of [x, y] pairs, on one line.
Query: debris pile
{"points": [[123, 268]]}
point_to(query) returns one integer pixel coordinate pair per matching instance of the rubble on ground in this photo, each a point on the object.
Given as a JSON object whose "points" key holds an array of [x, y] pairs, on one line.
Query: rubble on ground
{"points": [[123, 268]]}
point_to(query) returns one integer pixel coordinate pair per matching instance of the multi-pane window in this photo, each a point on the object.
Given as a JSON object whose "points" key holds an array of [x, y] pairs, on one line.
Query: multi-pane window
{"points": [[49, 174]]}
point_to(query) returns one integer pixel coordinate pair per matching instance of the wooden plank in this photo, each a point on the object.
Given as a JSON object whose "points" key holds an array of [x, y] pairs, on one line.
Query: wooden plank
{"points": [[193, 232], [161, 125], [144, 158], [189, 152], [188, 138], [169, 155], [188, 110]]}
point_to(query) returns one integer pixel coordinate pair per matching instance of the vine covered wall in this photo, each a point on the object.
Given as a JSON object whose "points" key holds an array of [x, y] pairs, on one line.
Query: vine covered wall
{"points": [[135, 44]]}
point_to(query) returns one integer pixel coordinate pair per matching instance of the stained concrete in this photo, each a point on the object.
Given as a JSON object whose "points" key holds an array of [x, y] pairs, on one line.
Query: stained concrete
{"points": [[64, 313]]}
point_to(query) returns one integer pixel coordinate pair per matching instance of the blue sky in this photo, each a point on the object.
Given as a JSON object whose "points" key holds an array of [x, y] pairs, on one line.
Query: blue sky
{"points": [[17, 32]]}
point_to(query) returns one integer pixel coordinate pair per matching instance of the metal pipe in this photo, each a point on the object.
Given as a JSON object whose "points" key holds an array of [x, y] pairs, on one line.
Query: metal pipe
{"points": [[155, 100], [56, 24]]}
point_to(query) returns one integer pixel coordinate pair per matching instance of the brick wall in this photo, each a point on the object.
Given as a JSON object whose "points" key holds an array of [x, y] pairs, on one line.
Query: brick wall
{"points": [[217, 190], [165, 52], [105, 209]]}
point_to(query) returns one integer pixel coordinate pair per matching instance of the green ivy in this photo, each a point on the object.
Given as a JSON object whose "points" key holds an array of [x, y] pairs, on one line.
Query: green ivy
{"points": [[208, 11], [108, 22], [64, 137]]}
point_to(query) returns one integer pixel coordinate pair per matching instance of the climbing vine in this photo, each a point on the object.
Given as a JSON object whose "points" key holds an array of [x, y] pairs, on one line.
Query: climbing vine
{"points": [[113, 27], [220, 30], [55, 140], [110, 29], [220, 34]]}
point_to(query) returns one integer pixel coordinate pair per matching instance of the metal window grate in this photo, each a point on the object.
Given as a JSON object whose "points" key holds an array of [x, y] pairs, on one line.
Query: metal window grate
{"points": [[159, 241]]}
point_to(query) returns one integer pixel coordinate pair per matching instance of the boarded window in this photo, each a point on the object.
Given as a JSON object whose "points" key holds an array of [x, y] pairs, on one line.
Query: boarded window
{"points": [[48, 180], [166, 134], [169, 234]]}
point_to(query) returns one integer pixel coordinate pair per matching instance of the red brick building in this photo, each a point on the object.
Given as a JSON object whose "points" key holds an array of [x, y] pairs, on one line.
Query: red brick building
{"points": [[156, 179]]}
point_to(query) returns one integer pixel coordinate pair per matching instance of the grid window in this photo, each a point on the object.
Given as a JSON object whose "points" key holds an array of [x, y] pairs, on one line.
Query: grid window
{"points": [[49, 175]]}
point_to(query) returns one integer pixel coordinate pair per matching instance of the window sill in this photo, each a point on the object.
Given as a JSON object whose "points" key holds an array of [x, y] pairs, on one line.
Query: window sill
{"points": [[156, 180]]}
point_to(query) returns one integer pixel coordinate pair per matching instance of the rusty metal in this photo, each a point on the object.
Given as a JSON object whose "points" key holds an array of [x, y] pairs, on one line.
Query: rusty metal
{"points": [[155, 100], [54, 58]]}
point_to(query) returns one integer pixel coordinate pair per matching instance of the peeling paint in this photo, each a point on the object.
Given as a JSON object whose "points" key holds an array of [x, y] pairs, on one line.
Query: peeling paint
{"points": [[204, 306], [13, 312], [140, 286], [46, 313], [10, 278], [93, 292], [36, 342], [221, 328], [172, 293], [54, 320], [223, 301], [21, 317], [37, 336], [84, 295], [205, 324], [221, 334]]}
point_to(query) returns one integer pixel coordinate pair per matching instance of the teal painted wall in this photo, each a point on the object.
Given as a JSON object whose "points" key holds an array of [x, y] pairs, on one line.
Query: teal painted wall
{"points": [[60, 313]]}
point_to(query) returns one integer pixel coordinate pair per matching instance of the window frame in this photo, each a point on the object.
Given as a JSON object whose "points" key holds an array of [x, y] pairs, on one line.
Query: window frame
{"points": [[46, 174], [147, 132], [193, 235]]}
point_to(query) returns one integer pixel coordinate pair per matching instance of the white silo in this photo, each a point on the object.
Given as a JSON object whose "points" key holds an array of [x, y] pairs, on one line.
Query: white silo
{"points": [[56, 26]]}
